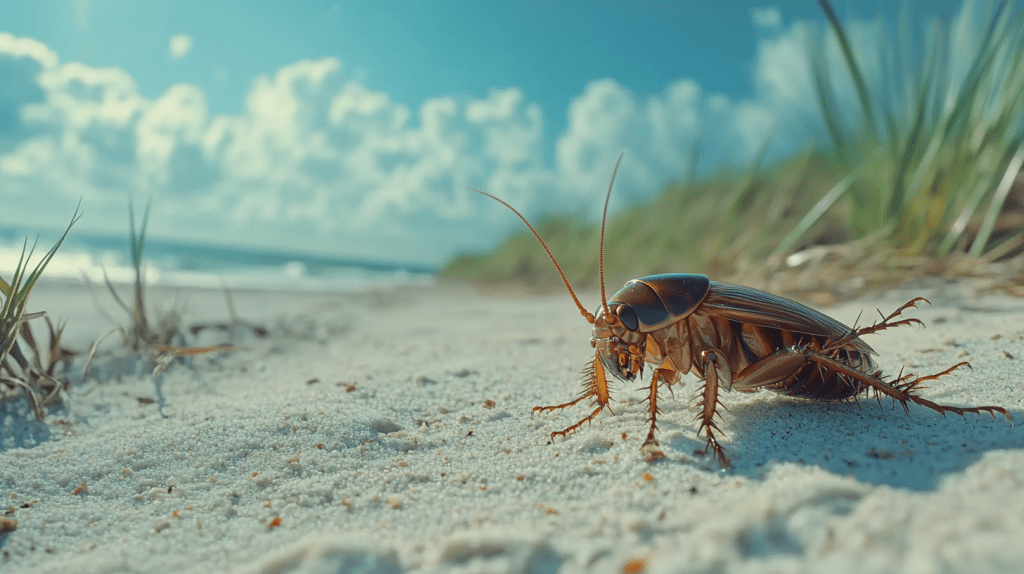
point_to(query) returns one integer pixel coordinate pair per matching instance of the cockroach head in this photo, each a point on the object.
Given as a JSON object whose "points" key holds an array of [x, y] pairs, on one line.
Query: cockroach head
{"points": [[619, 343]]}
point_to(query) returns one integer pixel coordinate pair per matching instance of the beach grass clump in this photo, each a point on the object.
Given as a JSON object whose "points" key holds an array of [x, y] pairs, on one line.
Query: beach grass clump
{"points": [[141, 333], [713, 225], [919, 174], [27, 369], [933, 158], [162, 341]]}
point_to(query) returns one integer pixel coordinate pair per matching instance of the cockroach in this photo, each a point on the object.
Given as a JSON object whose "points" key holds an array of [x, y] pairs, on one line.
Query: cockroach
{"points": [[733, 338]]}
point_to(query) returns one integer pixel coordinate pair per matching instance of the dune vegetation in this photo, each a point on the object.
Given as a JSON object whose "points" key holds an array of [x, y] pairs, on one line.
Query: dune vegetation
{"points": [[923, 177]]}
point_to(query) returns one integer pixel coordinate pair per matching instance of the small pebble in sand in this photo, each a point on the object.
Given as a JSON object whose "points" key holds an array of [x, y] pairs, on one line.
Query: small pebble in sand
{"points": [[8, 525]]}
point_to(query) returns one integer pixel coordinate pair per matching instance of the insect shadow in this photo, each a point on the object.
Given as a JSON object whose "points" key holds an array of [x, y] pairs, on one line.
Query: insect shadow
{"points": [[19, 431], [873, 441]]}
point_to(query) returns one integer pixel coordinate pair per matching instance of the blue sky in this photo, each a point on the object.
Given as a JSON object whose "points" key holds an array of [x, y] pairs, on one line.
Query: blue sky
{"points": [[347, 129]]}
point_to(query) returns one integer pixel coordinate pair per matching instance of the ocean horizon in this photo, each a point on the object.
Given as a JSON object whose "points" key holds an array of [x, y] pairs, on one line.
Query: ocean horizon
{"points": [[96, 258]]}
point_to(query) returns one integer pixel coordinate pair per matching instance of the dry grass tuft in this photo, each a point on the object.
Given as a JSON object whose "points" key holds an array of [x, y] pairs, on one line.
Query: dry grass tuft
{"points": [[159, 343], [27, 369]]}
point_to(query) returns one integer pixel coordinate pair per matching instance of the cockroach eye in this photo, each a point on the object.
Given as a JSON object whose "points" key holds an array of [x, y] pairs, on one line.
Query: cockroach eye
{"points": [[628, 317]]}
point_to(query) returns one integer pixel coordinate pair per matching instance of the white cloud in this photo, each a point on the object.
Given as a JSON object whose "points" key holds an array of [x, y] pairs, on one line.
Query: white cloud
{"points": [[657, 135], [766, 17], [15, 48], [179, 46], [319, 160], [781, 69]]}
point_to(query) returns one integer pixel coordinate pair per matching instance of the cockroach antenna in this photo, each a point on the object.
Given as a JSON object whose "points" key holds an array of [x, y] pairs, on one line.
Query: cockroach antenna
{"points": [[583, 310], [600, 251]]}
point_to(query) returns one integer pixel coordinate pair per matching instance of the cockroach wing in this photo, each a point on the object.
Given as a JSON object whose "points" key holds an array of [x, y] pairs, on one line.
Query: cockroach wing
{"points": [[755, 307]]}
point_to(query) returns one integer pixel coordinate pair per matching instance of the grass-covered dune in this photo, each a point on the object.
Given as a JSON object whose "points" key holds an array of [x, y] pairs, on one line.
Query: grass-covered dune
{"points": [[923, 176]]}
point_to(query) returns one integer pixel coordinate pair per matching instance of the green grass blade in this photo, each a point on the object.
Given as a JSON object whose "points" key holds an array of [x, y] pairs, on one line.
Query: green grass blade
{"points": [[980, 67], [826, 96], [998, 199], [138, 240], [18, 290], [959, 225], [34, 276], [691, 168], [899, 187], [814, 214], [852, 67], [10, 304]]}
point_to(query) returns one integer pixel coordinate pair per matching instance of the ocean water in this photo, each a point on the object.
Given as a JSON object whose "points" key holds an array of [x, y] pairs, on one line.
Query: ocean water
{"points": [[180, 264]]}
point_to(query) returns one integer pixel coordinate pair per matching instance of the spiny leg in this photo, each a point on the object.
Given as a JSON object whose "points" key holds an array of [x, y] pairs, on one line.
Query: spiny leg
{"points": [[910, 383], [887, 323], [666, 376], [595, 385], [903, 388], [715, 371]]}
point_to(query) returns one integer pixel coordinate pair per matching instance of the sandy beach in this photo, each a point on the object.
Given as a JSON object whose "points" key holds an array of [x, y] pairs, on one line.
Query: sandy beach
{"points": [[392, 432]]}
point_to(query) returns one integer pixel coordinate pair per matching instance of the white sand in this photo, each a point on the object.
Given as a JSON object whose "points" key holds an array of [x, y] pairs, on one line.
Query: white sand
{"points": [[412, 472]]}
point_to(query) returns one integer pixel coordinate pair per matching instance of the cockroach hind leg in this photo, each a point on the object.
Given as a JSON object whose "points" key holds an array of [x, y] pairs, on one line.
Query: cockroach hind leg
{"points": [[909, 384], [903, 389], [888, 322]]}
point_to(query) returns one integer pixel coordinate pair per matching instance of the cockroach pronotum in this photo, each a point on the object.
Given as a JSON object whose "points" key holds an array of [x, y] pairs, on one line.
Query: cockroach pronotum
{"points": [[729, 336]]}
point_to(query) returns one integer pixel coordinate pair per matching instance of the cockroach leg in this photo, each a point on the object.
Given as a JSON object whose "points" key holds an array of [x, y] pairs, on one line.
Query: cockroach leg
{"points": [[651, 448], [902, 389], [659, 377], [595, 385], [772, 369], [909, 383], [887, 323], [708, 403]]}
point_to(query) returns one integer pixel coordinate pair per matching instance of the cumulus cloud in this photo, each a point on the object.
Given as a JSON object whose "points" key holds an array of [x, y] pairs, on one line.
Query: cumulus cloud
{"points": [[179, 46], [766, 17], [657, 133], [20, 64], [318, 160]]}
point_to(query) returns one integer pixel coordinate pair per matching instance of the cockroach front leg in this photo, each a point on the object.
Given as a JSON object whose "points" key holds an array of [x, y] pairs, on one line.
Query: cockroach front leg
{"points": [[666, 376], [595, 385], [716, 372]]}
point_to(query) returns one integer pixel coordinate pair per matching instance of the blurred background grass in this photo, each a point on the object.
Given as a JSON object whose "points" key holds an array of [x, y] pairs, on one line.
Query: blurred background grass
{"points": [[922, 178]]}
